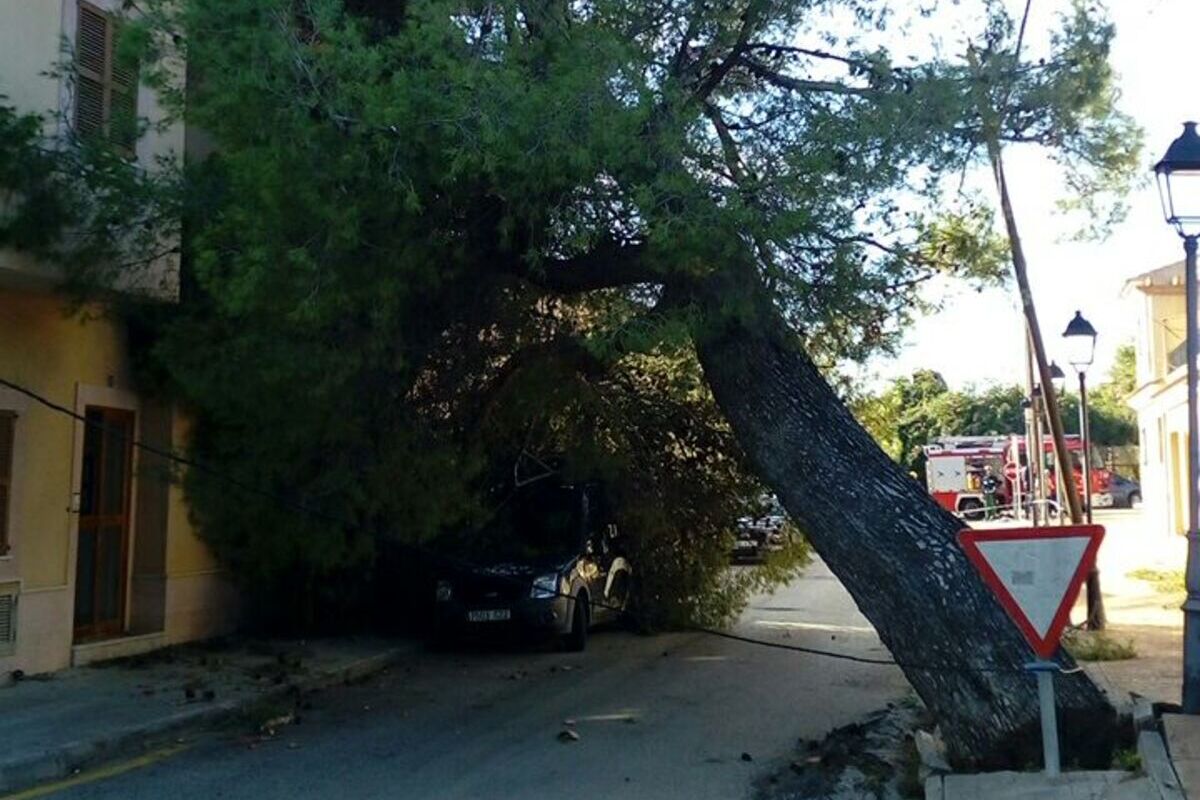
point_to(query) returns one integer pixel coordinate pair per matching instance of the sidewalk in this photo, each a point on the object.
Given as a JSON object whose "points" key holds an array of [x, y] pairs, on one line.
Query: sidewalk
{"points": [[1141, 611], [54, 725]]}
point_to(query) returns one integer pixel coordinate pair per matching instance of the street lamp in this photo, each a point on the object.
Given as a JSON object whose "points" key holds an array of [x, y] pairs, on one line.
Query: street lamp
{"points": [[1179, 189], [1058, 382], [1058, 378], [1080, 338]]}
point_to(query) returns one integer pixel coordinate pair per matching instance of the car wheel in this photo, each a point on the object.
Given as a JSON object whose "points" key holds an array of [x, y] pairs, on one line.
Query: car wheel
{"points": [[576, 640], [971, 509], [622, 600], [1135, 499]]}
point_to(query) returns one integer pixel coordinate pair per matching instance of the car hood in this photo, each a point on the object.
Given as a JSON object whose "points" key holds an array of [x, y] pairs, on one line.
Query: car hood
{"points": [[525, 568], [507, 568]]}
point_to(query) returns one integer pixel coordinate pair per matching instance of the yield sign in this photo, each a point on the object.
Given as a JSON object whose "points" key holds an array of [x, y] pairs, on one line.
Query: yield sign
{"points": [[1035, 573]]}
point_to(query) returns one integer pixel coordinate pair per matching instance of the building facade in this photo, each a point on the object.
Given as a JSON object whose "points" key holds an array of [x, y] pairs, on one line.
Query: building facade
{"points": [[98, 558], [1160, 399]]}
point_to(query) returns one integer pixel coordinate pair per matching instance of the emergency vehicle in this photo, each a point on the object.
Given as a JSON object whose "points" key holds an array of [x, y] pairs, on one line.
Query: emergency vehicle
{"points": [[955, 467]]}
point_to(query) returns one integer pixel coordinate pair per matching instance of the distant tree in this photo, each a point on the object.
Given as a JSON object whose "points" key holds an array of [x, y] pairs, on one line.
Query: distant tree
{"points": [[1113, 422], [916, 409], [1122, 377]]}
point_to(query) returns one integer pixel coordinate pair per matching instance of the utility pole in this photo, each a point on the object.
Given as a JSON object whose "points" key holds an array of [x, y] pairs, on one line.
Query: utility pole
{"points": [[991, 135], [1020, 269]]}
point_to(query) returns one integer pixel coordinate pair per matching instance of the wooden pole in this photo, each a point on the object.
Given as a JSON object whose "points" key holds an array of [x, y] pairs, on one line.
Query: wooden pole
{"points": [[1095, 612], [990, 130], [1020, 269]]}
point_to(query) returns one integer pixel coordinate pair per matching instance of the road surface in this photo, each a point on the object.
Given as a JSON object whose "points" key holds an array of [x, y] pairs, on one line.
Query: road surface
{"points": [[657, 717]]}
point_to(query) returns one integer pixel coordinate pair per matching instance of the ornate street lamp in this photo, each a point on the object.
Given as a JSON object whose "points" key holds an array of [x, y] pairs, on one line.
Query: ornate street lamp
{"points": [[1080, 339], [1081, 343], [1179, 188]]}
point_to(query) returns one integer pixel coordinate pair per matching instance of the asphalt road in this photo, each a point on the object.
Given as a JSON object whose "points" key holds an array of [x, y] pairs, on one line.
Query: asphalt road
{"points": [[657, 717]]}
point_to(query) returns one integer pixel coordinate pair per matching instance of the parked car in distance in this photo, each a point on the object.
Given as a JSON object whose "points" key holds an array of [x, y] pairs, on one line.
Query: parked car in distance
{"points": [[1125, 492], [549, 564], [760, 534]]}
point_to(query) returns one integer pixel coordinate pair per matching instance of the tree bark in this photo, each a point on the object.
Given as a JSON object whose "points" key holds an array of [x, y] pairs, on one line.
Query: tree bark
{"points": [[892, 547]]}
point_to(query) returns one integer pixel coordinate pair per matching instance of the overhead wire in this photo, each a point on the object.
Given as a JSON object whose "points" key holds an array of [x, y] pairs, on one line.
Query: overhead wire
{"points": [[465, 565]]}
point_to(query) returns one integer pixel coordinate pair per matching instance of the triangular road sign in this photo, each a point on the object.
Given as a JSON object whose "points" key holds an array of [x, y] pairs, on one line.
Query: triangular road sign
{"points": [[1035, 573]]}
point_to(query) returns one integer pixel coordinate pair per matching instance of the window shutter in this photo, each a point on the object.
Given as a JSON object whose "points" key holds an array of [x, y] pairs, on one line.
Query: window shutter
{"points": [[89, 107], [105, 91], [91, 66], [122, 102], [91, 41], [7, 435]]}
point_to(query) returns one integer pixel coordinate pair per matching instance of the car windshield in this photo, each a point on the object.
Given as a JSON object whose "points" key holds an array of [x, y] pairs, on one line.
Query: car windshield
{"points": [[534, 522]]}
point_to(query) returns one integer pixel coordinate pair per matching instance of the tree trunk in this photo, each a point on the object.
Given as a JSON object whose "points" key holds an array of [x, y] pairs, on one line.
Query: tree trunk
{"points": [[892, 547]]}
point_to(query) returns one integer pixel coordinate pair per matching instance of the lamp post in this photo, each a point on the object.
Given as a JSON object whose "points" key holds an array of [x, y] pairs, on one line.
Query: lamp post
{"points": [[1080, 338], [1058, 382], [1179, 188]]}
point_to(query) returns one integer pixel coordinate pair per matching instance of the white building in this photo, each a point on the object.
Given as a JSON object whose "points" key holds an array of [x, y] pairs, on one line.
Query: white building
{"points": [[1160, 399]]}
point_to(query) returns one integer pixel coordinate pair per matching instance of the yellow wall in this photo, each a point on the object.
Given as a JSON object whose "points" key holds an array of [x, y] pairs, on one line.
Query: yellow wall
{"points": [[74, 363], [186, 553], [44, 350], [48, 352]]}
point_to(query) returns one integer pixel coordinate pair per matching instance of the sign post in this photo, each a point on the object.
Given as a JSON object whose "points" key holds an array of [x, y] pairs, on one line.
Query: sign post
{"points": [[1044, 670], [1036, 574]]}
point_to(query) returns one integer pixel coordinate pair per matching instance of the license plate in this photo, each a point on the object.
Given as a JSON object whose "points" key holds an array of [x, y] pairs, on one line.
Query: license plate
{"points": [[489, 615], [742, 544]]}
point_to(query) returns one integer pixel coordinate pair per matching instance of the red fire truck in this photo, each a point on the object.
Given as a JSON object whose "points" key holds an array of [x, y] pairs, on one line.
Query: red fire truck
{"points": [[955, 467]]}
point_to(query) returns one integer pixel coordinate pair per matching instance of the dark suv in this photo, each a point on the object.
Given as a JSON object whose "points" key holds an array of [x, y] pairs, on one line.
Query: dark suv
{"points": [[550, 563]]}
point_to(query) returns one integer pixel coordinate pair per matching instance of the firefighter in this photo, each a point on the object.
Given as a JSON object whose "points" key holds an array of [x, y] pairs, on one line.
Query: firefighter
{"points": [[990, 486]]}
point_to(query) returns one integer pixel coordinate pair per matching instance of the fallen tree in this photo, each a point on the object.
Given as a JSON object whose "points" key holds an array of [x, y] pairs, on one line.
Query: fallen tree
{"points": [[770, 182]]}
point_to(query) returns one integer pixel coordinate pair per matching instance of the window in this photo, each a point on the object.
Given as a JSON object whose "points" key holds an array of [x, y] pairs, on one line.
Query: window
{"points": [[105, 91], [8, 422]]}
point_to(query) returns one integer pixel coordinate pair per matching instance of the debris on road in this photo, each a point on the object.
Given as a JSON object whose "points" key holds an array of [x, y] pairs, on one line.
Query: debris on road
{"points": [[567, 735], [932, 751], [269, 727], [877, 757]]}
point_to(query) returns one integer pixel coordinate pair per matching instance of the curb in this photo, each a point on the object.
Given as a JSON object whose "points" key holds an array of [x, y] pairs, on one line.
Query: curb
{"points": [[28, 769]]}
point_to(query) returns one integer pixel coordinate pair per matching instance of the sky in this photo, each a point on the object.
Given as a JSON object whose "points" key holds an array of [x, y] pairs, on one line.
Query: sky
{"points": [[976, 339]]}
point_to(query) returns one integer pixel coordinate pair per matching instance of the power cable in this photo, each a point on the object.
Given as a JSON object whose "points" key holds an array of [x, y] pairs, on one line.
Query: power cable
{"points": [[464, 565]]}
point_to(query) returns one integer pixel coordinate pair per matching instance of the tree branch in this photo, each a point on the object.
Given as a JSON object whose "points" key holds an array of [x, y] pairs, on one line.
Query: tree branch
{"points": [[607, 266], [717, 74], [782, 49], [775, 78]]}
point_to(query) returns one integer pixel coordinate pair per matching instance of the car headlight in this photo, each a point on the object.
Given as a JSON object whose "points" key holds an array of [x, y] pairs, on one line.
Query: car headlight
{"points": [[544, 586], [444, 591]]}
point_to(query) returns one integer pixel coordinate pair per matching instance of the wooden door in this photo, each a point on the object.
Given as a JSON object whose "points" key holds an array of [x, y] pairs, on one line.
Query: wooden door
{"points": [[104, 514]]}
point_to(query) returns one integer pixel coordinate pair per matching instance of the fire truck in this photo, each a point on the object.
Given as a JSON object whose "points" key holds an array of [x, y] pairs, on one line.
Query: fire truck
{"points": [[955, 467]]}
